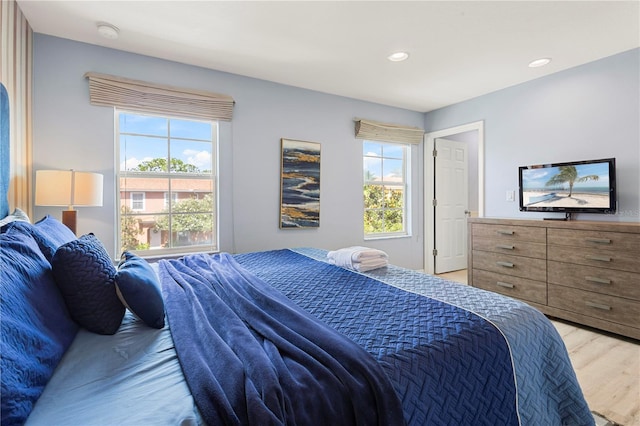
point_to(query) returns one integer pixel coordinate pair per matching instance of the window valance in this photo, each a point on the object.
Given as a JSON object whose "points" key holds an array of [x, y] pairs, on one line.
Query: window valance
{"points": [[376, 131], [141, 96]]}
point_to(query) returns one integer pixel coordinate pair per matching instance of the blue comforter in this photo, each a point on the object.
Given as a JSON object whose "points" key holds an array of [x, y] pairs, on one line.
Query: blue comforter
{"points": [[250, 356], [449, 365], [548, 392]]}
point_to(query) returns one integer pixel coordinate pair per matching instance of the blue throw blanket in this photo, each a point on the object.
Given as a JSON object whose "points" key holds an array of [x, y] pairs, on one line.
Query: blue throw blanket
{"points": [[250, 356]]}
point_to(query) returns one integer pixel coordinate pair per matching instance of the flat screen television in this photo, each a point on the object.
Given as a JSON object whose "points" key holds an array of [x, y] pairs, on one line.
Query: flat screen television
{"points": [[571, 187]]}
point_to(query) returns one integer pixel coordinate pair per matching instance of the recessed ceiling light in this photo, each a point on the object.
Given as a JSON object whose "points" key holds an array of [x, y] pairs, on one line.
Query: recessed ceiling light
{"points": [[398, 56], [539, 62], [108, 31]]}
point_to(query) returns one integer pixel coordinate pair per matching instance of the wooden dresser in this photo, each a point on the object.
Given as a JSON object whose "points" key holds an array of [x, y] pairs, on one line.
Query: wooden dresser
{"points": [[585, 272]]}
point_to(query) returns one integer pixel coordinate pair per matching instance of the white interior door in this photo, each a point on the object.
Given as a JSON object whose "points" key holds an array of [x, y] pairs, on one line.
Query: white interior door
{"points": [[451, 205]]}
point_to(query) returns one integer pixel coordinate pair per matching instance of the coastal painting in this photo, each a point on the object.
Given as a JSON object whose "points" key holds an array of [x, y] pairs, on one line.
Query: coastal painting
{"points": [[300, 184], [567, 186]]}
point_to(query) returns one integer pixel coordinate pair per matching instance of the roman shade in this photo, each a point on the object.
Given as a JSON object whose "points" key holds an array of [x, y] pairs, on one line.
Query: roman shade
{"points": [[376, 131], [141, 96]]}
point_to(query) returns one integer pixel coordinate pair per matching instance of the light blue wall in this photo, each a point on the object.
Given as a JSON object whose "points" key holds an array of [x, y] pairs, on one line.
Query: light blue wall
{"points": [[70, 133], [587, 112]]}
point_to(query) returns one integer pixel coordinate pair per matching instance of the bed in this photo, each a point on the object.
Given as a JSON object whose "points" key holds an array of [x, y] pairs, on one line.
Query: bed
{"points": [[443, 353], [272, 337]]}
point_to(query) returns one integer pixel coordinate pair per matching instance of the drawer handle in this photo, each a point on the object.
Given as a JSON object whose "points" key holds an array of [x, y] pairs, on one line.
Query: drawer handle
{"points": [[504, 232], [597, 305], [599, 240], [505, 247], [505, 285], [505, 264], [598, 280], [599, 258]]}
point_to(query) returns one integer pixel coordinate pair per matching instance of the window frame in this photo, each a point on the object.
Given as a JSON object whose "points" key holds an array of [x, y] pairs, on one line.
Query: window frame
{"points": [[168, 175], [405, 184]]}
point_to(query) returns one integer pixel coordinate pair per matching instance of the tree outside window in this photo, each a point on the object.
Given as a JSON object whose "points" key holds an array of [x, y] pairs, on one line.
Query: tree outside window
{"points": [[385, 188]]}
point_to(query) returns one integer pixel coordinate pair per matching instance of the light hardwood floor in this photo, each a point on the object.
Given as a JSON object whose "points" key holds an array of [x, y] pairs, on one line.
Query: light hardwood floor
{"points": [[607, 367]]}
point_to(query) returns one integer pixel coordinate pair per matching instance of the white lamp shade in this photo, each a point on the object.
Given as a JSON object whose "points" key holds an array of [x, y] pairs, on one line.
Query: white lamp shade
{"points": [[68, 188], [88, 189]]}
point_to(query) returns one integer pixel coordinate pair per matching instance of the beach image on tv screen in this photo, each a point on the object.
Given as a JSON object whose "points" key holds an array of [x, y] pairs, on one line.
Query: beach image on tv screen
{"points": [[579, 186]]}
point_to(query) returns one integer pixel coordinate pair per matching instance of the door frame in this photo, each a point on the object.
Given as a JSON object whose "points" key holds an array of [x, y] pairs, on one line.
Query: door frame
{"points": [[429, 179]]}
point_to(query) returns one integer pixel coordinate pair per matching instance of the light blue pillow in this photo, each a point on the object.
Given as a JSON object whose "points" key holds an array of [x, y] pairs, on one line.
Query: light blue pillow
{"points": [[138, 288], [17, 215]]}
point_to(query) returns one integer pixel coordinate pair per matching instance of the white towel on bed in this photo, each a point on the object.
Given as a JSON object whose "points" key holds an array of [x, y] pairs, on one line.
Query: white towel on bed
{"points": [[358, 258]]}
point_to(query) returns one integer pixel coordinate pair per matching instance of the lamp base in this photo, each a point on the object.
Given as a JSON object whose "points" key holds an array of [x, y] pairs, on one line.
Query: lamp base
{"points": [[69, 219]]}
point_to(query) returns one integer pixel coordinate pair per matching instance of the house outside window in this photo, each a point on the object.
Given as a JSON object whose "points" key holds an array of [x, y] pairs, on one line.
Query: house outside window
{"points": [[386, 189], [161, 159]]}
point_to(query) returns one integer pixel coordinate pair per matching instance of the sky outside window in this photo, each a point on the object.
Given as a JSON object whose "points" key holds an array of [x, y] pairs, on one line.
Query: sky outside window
{"points": [[383, 161], [135, 148]]}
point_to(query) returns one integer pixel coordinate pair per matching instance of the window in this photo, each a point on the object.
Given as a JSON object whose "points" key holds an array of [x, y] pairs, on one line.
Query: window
{"points": [[137, 201], [167, 184], [386, 167], [173, 196]]}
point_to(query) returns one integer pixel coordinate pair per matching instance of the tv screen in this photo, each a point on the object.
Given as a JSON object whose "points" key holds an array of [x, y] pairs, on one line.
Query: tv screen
{"points": [[572, 187]]}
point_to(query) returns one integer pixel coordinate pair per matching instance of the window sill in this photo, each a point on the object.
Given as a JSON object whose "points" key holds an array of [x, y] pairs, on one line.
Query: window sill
{"points": [[386, 237]]}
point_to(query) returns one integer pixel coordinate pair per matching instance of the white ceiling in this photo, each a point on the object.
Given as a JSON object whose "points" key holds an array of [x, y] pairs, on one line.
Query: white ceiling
{"points": [[458, 50]]}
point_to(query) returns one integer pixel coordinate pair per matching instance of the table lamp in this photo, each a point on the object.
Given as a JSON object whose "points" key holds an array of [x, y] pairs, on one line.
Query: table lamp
{"points": [[68, 188]]}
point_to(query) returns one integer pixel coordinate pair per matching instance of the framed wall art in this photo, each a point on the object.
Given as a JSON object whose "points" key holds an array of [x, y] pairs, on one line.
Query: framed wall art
{"points": [[300, 184]]}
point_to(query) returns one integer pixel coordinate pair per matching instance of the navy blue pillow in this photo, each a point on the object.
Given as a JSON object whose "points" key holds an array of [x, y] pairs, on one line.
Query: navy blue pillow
{"points": [[36, 328], [138, 287], [85, 275]]}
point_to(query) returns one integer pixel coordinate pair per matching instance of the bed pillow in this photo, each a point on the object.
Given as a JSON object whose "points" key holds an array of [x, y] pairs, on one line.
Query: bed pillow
{"points": [[17, 215], [36, 328], [85, 275], [138, 288], [50, 234]]}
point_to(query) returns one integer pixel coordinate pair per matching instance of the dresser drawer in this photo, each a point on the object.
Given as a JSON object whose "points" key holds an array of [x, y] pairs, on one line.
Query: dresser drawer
{"points": [[517, 248], [595, 239], [519, 288], [591, 269], [518, 266], [504, 233], [610, 308], [599, 280], [599, 258]]}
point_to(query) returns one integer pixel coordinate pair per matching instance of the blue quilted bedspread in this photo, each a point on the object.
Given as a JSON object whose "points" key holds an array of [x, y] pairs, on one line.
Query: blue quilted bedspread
{"points": [[448, 365], [251, 356], [459, 356]]}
